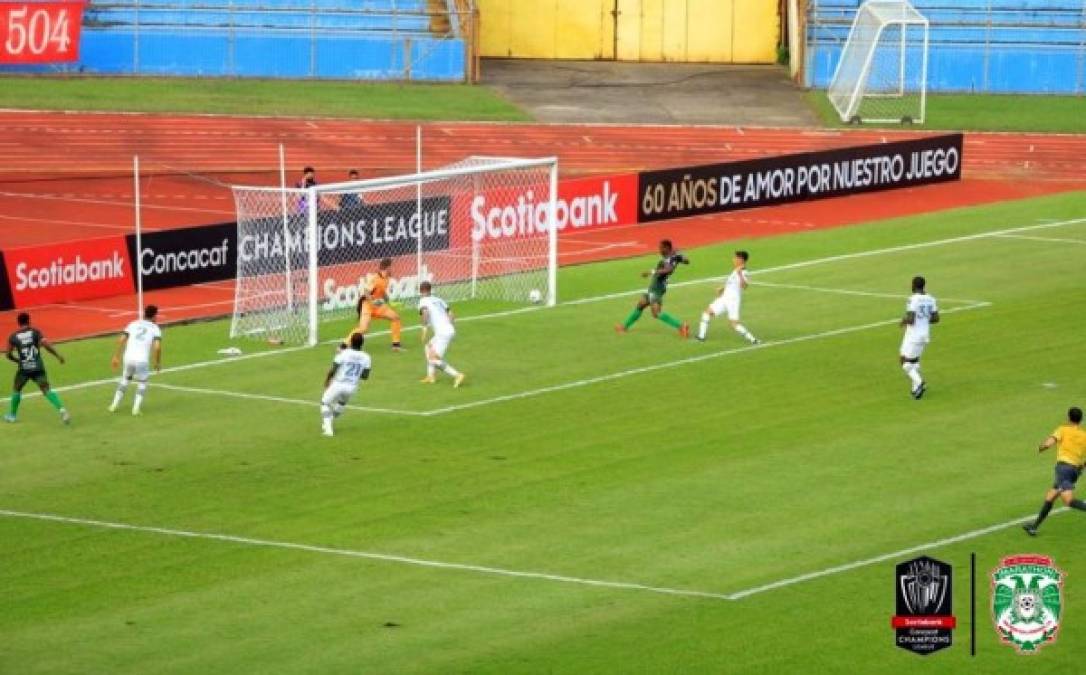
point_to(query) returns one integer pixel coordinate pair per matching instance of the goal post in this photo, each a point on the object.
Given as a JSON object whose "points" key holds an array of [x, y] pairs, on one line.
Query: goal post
{"points": [[482, 228], [882, 73]]}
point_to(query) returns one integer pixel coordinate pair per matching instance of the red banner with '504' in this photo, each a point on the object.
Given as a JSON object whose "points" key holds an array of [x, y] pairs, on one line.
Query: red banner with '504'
{"points": [[39, 32]]}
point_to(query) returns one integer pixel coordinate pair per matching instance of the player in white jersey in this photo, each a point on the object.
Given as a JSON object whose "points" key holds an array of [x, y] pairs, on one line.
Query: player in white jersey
{"points": [[921, 311], [437, 316], [349, 367], [728, 300], [141, 344]]}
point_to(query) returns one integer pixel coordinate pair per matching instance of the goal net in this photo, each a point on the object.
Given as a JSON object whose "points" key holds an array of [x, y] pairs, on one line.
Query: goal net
{"points": [[479, 228], [882, 73]]}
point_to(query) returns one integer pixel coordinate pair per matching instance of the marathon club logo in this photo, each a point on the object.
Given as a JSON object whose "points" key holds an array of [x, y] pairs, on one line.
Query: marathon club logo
{"points": [[1027, 601], [924, 592]]}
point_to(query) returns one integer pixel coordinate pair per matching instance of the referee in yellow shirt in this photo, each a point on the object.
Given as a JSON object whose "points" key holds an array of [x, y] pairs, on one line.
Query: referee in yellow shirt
{"points": [[1070, 439]]}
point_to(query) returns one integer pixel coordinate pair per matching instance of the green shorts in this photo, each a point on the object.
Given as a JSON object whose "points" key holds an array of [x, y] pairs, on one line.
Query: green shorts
{"points": [[655, 296], [37, 376]]}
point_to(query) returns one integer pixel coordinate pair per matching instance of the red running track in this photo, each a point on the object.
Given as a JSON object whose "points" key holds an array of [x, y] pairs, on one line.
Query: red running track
{"points": [[68, 176]]}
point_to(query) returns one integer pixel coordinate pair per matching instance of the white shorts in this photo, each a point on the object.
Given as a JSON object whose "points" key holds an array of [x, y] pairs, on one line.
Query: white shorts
{"points": [[912, 349], [140, 371], [338, 393], [726, 304], [439, 344]]}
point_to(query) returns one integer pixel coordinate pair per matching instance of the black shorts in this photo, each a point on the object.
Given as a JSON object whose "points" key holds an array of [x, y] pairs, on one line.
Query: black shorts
{"points": [[24, 376], [1066, 476]]}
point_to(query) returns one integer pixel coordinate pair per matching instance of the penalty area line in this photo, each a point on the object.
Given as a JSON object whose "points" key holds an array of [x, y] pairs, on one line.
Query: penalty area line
{"points": [[681, 362], [368, 555], [848, 567], [279, 399]]}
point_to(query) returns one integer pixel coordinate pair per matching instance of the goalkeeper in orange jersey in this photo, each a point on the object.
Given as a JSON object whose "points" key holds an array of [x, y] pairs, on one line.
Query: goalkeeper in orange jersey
{"points": [[373, 303]]}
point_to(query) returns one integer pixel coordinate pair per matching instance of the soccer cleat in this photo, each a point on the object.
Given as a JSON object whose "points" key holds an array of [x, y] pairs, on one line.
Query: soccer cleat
{"points": [[136, 412], [1031, 530], [918, 393], [112, 408], [684, 331], [327, 432], [458, 380], [619, 328], [700, 338], [755, 341], [396, 347], [65, 417], [9, 418], [428, 380]]}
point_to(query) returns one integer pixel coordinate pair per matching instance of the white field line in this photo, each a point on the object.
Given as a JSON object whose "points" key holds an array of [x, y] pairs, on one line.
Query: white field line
{"points": [[680, 362], [847, 567], [865, 294], [278, 399], [368, 555], [621, 294], [1054, 240]]}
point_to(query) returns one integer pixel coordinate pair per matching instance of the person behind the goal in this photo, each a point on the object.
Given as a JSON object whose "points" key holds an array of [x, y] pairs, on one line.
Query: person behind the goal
{"points": [[437, 315], [141, 344]]}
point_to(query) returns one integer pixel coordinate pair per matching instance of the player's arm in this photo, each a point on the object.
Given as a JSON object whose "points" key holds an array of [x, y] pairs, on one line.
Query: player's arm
{"points": [[1048, 442], [331, 374], [12, 353], [122, 340], [452, 316], [743, 282], [909, 318], [425, 318], [47, 346], [935, 316], [156, 353], [365, 374]]}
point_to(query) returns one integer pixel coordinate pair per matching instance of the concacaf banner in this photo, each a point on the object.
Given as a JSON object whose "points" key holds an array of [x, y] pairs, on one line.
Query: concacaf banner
{"points": [[729, 186]]}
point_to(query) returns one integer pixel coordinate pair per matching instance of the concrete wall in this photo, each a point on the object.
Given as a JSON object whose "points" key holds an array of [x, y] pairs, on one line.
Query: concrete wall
{"points": [[712, 31]]}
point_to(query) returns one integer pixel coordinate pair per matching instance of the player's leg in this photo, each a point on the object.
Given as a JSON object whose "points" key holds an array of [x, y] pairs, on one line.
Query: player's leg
{"points": [[733, 306], [395, 325], [54, 400], [16, 395], [439, 345], [910, 364], [122, 386], [141, 373], [715, 308], [1063, 486], [328, 399], [659, 313], [634, 314]]}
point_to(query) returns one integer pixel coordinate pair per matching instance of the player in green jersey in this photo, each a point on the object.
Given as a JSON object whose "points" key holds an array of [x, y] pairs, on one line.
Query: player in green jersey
{"points": [[654, 296], [24, 350]]}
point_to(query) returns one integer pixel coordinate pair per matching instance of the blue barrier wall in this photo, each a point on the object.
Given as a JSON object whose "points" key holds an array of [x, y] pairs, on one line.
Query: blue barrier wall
{"points": [[995, 46], [333, 39]]}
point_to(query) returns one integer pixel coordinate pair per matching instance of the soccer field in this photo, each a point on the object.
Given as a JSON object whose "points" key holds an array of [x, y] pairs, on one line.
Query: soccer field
{"points": [[588, 501]]}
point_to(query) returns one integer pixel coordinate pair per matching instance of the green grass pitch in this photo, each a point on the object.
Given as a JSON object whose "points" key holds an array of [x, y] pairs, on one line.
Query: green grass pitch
{"points": [[638, 460]]}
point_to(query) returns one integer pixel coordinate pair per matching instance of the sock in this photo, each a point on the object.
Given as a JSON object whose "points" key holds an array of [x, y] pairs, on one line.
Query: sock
{"points": [[397, 326], [634, 315], [326, 415], [137, 400], [448, 369], [742, 330], [913, 371], [703, 327], [118, 395], [670, 320], [54, 399], [1078, 504], [16, 398], [430, 370], [1045, 508]]}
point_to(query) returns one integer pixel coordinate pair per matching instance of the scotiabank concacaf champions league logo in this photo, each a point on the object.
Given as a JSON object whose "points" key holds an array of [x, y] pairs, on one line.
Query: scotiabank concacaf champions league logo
{"points": [[924, 621], [1027, 601]]}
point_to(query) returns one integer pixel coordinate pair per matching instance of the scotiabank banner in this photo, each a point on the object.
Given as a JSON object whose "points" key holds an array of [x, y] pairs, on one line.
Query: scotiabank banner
{"points": [[40, 32], [190, 255], [5, 291], [508, 213], [713, 188], [78, 270]]}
